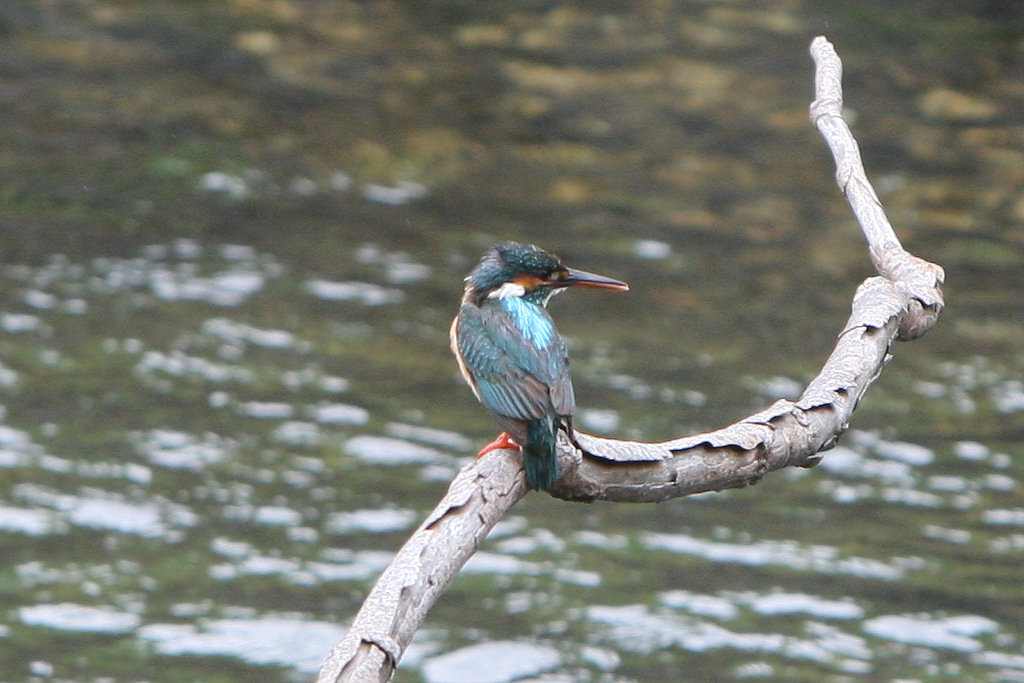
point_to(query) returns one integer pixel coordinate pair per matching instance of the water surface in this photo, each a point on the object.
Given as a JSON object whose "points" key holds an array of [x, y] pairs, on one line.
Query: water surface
{"points": [[232, 240]]}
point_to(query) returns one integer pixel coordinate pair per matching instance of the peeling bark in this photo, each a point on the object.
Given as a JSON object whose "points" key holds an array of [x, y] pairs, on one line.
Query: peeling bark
{"points": [[901, 304]]}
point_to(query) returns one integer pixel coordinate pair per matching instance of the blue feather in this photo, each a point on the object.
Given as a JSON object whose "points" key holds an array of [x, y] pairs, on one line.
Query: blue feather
{"points": [[540, 455], [518, 366], [532, 321]]}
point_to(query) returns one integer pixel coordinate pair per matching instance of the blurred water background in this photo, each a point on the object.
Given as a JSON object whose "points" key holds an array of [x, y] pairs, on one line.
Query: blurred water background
{"points": [[232, 236]]}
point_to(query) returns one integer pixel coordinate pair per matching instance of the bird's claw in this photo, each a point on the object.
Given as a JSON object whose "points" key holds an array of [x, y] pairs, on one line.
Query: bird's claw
{"points": [[503, 441]]}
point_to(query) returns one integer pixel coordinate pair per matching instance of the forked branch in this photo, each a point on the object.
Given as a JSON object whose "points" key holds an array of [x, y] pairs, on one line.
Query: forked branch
{"points": [[901, 303]]}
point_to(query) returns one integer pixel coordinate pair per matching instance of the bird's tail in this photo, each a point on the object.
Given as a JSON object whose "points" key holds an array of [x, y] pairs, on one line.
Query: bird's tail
{"points": [[540, 455]]}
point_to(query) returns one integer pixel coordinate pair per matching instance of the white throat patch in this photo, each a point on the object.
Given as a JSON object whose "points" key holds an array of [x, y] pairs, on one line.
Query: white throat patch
{"points": [[509, 289], [552, 293]]}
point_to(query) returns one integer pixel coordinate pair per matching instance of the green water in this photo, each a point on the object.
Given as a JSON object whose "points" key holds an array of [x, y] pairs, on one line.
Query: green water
{"points": [[232, 238]]}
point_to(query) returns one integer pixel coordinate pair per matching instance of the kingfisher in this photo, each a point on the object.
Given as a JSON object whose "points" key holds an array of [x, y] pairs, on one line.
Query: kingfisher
{"points": [[511, 354]]}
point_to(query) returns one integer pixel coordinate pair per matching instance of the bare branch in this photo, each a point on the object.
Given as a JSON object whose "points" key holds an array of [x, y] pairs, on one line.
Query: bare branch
{"points": [[918, 279], [477, 499], [901, 304]]}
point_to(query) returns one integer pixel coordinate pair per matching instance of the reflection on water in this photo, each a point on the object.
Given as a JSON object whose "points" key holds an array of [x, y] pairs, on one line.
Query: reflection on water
{"points": [[225, 390], [70, 617], [491, 663], [267, 641]]}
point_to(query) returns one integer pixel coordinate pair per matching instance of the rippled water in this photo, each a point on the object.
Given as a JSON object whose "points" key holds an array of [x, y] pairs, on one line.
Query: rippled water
{"points": [[219, 489], [225, 390]]}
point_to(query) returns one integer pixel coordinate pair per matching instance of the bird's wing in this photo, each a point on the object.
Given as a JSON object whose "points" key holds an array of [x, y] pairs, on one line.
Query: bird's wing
{"points": [[513, 377]]}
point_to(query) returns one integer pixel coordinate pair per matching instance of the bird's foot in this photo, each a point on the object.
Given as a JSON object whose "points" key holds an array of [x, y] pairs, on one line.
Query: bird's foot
{"points": [[503, 441]]}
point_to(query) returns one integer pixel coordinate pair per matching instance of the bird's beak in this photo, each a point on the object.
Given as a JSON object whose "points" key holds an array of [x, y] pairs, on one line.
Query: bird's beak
{"points": [[581, 278]]}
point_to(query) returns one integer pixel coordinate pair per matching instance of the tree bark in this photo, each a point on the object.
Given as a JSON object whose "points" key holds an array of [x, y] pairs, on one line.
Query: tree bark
{"points": [[901, 303]]}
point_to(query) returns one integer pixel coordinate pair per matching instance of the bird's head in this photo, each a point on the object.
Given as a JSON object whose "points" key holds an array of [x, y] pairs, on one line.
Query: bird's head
{"points": [[523, 270]]}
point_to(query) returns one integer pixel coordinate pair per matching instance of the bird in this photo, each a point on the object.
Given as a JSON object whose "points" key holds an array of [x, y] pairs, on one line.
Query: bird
{"points": [[511, 354]]}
